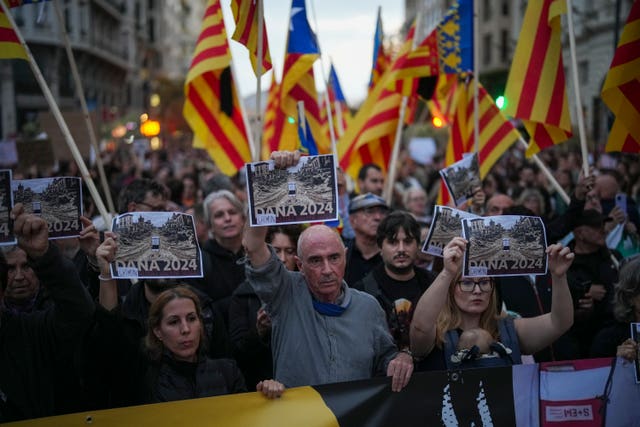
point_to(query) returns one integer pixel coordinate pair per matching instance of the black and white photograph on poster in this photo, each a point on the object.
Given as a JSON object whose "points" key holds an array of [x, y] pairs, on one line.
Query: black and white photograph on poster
{"points": [[156, 245], [635, 335], [6, 204], [57, 200], [505, 245], [446, 224], [462, 178], [303, 193]]}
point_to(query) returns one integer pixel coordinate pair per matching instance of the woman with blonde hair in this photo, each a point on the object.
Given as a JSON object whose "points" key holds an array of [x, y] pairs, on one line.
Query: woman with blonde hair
{"points": [[453, 304]]}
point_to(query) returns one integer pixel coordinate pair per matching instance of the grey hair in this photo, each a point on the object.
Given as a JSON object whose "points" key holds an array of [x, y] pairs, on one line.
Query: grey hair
{"points": [[627, 288], [221, 194]]}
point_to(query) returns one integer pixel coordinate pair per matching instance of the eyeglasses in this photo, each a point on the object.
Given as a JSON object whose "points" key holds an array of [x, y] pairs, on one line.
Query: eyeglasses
{"points": [[468, 285], [159, 208]]}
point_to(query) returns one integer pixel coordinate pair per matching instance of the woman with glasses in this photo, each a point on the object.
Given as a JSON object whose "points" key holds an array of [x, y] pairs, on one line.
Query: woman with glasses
{"points": [[453, 304]]}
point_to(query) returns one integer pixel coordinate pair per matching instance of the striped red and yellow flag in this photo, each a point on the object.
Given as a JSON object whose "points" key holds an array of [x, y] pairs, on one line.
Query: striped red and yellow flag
{"points": [[442, 104], [273, 120], [536, 90], [621, 89], [375, 124], [211, 105], [381, 59], [10, 46], [245, 13]]}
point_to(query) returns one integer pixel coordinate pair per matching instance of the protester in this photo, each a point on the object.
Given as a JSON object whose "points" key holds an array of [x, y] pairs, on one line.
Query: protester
{"points": [[30, 343], [455, 303], [396, 283], [180, 368], [370, 179], [339, 333]]}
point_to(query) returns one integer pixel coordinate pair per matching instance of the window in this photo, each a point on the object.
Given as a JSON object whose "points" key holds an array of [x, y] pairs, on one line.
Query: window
{"points": [[487, 42], [504, 45], [505, 7], [486, 10], [583, 72]]}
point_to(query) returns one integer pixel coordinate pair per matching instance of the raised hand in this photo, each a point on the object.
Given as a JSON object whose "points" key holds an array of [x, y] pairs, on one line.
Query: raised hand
{"points": [[560, 259], [453, 255], [31, 231]]}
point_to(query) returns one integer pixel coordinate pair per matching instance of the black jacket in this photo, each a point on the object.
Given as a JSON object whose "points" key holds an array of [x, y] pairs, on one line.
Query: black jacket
{"points": [[31, 343]]}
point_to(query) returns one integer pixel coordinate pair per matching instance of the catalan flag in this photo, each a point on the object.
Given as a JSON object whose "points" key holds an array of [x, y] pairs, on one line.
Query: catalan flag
{"points": [[245, 13], [274, 119], [621, 89], [307, 143], [381, 59], [340, 114], [298, 82], [442, 103], [536, 87], [211, 106], [10, 46]]}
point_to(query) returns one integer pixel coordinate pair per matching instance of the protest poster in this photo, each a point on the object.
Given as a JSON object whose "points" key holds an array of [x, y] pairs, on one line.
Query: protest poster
{"points": [[156, 245], [57, 200], [505, 245], [6, 203], [446, 224], [303, 193], [462, 178], [635, 335]]}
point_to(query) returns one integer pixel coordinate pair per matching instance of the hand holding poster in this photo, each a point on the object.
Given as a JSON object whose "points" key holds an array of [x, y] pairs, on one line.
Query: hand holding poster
{"points": [[505, 245], [306, 192], [635, 336], [57, 200], [156, 245], [462, 178], [446, 224], [6, 204]]}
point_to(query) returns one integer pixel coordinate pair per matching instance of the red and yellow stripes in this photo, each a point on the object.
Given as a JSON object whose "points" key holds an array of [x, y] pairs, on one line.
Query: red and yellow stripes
{"points": [[10, 46], [621, 89], [222, 135], [245, 13], [536, 84]]}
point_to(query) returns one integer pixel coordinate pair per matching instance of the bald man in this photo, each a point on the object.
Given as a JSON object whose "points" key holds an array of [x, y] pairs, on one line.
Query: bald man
{"points": [[323, 331]]}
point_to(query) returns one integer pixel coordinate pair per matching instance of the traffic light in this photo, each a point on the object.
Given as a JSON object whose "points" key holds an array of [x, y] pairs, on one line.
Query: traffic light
{"points": [[501, 102]]}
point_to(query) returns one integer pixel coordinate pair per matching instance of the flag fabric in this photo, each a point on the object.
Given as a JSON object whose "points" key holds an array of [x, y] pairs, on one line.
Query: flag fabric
{"points": [[10, 46], [381, 59], [536, 89], [442, 103], [448, 49], [307, 143], [273, 120], [621, 89], [16, 3], [245, 13], [370, 135], [211, 107], [340, 114], [298, 82]]}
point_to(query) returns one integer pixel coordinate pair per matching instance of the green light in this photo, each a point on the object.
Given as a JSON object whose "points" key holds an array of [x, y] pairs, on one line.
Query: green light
{"points": [[501, 102], [291, 120]]}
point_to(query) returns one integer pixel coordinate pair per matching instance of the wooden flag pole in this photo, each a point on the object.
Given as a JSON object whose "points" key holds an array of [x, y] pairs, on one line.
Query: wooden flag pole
{"points": [[391, 176], [545, 170], [257, 140], [85, 109], [476, 79], [58, 116], [576, 91]]}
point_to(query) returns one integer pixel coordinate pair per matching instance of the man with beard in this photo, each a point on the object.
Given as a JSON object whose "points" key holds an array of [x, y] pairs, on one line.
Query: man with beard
{"points": [[396, 283]]}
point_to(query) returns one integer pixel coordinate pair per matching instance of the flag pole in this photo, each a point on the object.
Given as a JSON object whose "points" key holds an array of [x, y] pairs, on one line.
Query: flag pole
{"points": [[85, 109], [58, 116], [256, 150], [576, 91], [476, 79], [332, 135], [545, 170]]}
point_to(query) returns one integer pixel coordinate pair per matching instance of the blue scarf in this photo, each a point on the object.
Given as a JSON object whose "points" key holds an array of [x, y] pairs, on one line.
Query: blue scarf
{"points": [[333, 310]]}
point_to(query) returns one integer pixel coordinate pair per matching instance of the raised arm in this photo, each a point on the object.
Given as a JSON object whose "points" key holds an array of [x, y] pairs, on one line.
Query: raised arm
{"points": [[254, 237], [536, 333], [423, 325], [106, 254]]}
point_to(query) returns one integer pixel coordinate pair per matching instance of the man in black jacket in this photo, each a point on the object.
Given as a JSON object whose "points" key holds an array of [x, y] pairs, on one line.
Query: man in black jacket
{"points": [[396, 283], [29, 343]]}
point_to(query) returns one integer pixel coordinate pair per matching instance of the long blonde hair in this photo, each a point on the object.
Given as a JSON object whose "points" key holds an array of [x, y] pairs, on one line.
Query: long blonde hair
{"points": [[451, 318]]}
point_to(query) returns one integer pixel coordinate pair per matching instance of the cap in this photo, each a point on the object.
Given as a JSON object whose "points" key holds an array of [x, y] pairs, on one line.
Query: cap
{"points": [[367, 200], [591, 218]]}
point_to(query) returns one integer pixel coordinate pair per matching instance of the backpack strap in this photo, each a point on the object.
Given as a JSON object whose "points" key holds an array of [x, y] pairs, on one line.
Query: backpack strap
{"points": [[449, 347], [509, 338]]}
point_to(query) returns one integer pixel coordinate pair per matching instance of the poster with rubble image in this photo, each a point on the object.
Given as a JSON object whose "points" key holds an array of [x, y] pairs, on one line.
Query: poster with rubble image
{"points": [[446, 224], [462, 178], [156, 245], [303, 193], [505, 245], [6, 203], [57, 200], [635, 336]]}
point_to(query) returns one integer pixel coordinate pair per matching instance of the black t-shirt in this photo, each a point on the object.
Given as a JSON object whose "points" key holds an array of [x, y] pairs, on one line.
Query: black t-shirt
{"points": [[606, 342], [357, 266]]}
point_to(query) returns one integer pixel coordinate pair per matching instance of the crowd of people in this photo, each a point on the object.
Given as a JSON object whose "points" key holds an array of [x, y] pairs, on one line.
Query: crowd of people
{"points": [[298, 305]]}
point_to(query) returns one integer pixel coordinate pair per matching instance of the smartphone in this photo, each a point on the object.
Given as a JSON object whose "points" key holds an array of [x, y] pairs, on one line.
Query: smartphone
{"points": [[621, 202]]}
